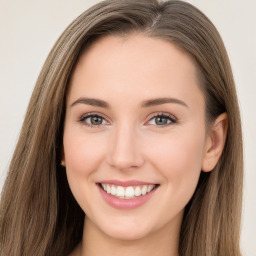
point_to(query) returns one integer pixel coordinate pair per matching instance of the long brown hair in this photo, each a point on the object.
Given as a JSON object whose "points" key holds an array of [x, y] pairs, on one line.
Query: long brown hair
{"points": [[38, 214]]}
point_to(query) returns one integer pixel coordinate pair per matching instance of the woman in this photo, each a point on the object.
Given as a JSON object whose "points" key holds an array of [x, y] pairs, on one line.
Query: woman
{"points": [[132, 140]]}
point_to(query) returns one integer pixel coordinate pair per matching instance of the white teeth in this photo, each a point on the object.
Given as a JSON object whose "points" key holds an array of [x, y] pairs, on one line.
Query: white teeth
{"points": [[150, 187], [137, 191], [120, 191], [113, 190], [144, 190], [127, 192]]}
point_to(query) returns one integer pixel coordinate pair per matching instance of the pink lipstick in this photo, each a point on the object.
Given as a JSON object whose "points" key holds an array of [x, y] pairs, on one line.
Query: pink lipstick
{"points": [[126, 194]]}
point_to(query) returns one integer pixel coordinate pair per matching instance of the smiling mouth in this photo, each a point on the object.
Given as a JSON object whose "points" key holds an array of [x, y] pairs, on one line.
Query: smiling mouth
{"points": [[129, 192]]}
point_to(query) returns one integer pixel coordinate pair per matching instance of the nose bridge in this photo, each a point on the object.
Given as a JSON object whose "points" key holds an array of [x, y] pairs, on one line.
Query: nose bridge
{"points": [[124, 150]]}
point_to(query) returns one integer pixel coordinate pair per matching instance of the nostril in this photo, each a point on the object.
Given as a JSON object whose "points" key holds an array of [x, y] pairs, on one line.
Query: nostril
{"points": [[125, 161]]}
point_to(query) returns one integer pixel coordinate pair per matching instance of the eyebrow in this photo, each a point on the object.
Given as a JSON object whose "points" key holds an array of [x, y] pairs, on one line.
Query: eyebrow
{"points": [[92, 102], [147, 103], [160, 101]]}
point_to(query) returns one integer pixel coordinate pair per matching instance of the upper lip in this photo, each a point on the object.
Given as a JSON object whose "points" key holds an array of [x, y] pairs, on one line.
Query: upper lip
{"points": [[126, 183]]}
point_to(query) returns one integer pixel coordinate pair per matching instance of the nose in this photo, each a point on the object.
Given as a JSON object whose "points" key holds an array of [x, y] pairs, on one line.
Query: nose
{"points": [[125, 149]]}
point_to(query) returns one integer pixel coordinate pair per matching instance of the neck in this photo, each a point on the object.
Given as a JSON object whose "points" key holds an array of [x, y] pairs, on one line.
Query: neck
{"points": [[163, 242]]}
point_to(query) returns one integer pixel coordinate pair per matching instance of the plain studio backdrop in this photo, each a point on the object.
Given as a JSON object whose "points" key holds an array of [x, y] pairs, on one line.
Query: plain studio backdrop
{"points": [[28, 30]]}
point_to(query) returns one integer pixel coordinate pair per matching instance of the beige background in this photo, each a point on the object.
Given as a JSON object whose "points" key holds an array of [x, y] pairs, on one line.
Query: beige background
{"points": [[29, 28]]}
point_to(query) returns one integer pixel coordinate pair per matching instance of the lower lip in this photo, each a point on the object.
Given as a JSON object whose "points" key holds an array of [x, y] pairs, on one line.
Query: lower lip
{"points": [[126, 203]]}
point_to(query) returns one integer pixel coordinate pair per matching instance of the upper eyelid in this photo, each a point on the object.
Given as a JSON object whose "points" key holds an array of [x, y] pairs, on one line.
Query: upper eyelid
{"points": [[94, 114], [162, 114]]}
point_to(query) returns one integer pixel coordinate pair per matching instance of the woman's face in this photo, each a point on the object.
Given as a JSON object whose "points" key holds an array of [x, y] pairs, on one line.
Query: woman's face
{"points": [[135, 127]]}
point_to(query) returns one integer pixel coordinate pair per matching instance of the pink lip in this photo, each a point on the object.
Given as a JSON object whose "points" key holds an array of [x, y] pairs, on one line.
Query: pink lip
{"points": [[126, 183], [126, 204]]}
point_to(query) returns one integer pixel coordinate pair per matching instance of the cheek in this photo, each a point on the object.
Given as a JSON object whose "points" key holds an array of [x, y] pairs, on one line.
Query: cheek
{"points": [[178, 158], [178, 152], [184, 157], [82, 153]]}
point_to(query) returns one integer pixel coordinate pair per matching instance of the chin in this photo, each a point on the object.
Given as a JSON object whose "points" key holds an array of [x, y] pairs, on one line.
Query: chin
{"points": [[127, 235], [128, 231]]}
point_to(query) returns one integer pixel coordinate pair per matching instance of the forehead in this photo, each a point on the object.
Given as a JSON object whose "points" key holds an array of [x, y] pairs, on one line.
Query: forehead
{"points": [[135, 66]]}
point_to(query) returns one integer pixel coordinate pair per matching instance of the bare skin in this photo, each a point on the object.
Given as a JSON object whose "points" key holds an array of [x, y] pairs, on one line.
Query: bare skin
{"points": [[130, 143]]}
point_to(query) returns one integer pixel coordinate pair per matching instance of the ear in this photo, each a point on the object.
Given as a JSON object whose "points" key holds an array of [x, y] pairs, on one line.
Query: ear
{"points": [[62, 156], [215, 142]]}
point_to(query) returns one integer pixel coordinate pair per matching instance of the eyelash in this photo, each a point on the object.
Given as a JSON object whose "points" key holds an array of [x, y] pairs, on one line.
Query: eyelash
{"points": [[82, 119], [169, 117], [172, 119]]}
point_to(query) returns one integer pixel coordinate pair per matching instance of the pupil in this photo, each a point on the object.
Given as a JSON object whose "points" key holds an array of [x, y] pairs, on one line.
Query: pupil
{"points": [[96, 120], [161, 120]]}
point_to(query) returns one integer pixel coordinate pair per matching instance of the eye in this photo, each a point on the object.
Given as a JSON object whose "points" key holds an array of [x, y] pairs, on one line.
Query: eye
{"points": [[162, 120], [93, 120]]}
